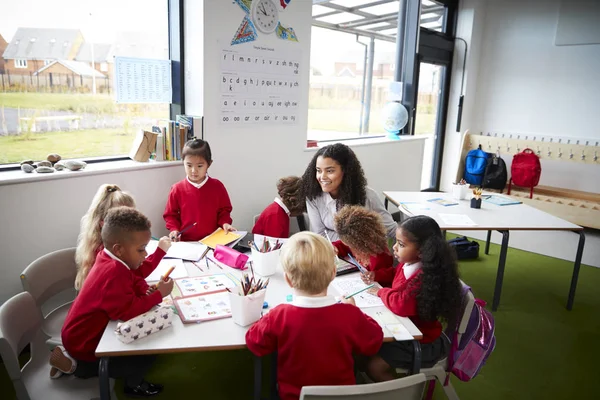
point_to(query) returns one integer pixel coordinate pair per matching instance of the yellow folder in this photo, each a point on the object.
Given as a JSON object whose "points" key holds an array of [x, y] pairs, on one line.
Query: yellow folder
{"points": [[219, 237]]}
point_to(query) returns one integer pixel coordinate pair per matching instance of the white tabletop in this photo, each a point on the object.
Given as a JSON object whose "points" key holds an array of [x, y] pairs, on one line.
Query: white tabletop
{"points": [[221, 334], [488, 217]]}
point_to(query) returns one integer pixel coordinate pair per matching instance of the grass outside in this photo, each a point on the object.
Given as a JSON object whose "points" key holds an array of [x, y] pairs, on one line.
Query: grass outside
{"points": [[72, 144]]}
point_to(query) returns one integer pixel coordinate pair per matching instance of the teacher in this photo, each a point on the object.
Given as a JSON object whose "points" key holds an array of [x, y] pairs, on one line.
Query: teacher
{"points": [[334, 178]]}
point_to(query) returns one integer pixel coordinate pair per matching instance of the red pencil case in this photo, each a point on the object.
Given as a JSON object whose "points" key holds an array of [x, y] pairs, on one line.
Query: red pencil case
{"points": [[230, 257]]}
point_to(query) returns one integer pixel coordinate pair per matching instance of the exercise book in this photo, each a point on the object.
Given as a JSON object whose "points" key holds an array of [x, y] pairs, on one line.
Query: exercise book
{"points": [[349, 285]]}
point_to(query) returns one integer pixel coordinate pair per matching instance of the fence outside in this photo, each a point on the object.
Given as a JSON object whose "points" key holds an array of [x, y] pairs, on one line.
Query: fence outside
{"points": [[53, 83]]}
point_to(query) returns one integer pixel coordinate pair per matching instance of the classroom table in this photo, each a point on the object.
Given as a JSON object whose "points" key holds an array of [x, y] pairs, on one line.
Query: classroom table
{"points": [[216, 335], [515, 217]]}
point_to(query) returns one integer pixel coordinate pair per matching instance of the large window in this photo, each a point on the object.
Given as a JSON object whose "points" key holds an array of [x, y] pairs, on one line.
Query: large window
{"points": [[58, 94]]}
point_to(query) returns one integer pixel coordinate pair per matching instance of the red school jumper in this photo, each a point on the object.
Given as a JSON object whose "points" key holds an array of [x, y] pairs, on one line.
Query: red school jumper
{"points": [[208, 206], [111, 292], [273, 221], [381, 264], [401, 299], [314, 344]]}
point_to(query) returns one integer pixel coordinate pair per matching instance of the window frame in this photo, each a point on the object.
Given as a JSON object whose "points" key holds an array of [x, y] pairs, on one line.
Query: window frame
{"points": [[176, 25], [20, 63]]}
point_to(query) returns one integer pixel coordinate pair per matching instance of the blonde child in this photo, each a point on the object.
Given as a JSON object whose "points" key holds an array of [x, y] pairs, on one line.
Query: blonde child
{"points": [[199, 204], [426, 289], [113, 292], [89, 242], [274, 221], [315, 337], [363, 236]]}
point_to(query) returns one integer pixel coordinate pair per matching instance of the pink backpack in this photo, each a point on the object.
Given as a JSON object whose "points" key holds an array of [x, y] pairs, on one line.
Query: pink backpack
{"points": [[468, 355]]}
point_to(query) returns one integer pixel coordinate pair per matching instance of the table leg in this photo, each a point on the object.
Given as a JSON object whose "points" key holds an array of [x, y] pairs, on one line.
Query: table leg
{"points": [[385, 202], [576, 270], [104, 379], [274, 395], [416, 368], [500, 274], [257, 377], [445, 233], [487, 242]]}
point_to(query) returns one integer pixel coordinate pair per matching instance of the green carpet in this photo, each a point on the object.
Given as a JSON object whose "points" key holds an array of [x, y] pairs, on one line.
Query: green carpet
{"points": [[543, 351]]}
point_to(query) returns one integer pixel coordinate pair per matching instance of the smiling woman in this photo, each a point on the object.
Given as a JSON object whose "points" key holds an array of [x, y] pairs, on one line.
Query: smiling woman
{"points": [[334, 178]]}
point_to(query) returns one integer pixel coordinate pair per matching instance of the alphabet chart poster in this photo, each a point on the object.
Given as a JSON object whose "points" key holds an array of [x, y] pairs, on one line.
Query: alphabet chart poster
{"points": [[259, 85]]}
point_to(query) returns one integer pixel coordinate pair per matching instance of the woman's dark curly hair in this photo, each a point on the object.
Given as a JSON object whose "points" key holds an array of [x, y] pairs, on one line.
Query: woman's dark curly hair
{"points": [[290, 191], [362, 230], [353, 187], [440, 293]]}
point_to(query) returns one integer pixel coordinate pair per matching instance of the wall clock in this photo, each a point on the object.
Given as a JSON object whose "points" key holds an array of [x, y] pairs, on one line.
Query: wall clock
{"points": [[265, 15], [262, 15]]}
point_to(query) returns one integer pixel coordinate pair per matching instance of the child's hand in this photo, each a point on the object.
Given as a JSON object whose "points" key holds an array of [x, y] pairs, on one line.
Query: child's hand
{"points": [[151, 289], [347, 301], [374, 291], [165, 287], [335, 250], [174, 236], [164, 243], [368, 278], [228, 228]]}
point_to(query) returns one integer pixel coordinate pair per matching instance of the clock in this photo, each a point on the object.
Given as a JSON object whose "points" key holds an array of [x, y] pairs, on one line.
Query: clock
{"points": [[265, 15]]}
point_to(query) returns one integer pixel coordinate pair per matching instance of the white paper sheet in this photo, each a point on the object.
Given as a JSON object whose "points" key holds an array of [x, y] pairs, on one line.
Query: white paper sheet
{"points": [[192, 251], [399, 331], [139, 80], [349, 285], [457, 220], [179, 272]]}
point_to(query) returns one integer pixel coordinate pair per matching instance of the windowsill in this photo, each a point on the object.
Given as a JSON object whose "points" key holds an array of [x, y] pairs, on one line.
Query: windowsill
{"points": [[18, 176], [367, 141]]}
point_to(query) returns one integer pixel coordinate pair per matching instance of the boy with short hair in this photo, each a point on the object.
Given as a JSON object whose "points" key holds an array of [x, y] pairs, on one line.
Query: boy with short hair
{"points": [[113, 291], [274, 221], [315, 336]]}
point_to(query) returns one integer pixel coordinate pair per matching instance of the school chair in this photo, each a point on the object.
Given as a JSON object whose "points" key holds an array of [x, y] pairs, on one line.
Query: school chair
{"points": [[439, 370], [410, 387], [20, 323], [50, 279]]}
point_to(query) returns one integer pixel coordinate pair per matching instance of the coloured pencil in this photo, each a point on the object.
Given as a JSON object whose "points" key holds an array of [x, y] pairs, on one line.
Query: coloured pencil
{"points": [[209, 259], [197, 266], [154, 238], [186, 228], [166, 275], [359, 291]]}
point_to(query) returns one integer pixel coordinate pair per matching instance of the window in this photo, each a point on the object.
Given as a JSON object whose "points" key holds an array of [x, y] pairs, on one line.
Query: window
{"points": [[47, 62], [433, 15], [70, 108], [20, 63]]}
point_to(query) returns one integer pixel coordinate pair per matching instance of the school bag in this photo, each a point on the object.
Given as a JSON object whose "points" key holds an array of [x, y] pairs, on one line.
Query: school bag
{"points": [[496, 174], [475, 164], [465, 249], [469, 355], [525, 170]]}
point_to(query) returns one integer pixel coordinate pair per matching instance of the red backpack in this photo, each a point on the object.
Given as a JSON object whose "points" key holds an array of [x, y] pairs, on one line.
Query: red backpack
{"points": [[525, 170]]}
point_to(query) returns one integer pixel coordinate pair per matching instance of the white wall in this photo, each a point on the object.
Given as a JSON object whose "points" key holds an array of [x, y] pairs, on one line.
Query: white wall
{"points": [[40, 217], [525, 84]]}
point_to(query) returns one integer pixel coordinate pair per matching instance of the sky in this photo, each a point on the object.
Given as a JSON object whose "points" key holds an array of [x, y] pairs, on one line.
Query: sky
{"points": [[100, 27]]}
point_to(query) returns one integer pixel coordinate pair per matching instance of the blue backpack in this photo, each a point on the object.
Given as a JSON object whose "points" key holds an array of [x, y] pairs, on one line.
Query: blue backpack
{"points": [[475, 164]]}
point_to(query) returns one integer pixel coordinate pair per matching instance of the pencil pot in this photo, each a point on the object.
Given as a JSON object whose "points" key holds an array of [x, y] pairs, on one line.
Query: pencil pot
{"points": [[475, 203], [459, 192], [265, 264], [246, 310]]}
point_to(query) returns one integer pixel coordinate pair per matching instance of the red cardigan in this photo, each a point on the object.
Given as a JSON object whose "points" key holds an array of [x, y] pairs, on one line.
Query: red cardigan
{"points": [[111, 292], [401, 299], [381, 264], [208, 206], [315, 345], [273, 221]]}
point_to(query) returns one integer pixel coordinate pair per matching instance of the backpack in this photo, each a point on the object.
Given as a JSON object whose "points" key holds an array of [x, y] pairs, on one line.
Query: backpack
{"points": [[465, 249], [468, 356], [475, 163], [525, 170], [495, 175]]}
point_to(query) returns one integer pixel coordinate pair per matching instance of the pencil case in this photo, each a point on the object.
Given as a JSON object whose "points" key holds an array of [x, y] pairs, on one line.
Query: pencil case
{"points": [[146, 324], [230, 257]]}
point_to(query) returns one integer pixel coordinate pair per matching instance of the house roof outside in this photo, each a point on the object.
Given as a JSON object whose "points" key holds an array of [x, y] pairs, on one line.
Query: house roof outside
{"points": [[78, 67], [41, 43], [101, 52]]}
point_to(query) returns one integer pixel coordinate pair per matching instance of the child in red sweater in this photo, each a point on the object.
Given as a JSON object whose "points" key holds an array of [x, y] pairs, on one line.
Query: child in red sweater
{"points": [[315, 337], [198, 199], [274, 221], [426, 288], [113, 291], [364, 237]]}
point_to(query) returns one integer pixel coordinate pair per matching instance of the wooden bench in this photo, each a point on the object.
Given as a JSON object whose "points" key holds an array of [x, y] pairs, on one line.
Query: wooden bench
{"points": [[579, 207], [29, 124]]}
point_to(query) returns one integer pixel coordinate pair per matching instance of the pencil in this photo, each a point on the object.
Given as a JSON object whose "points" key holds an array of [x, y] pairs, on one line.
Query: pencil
{"points": [[186, 228], [206, 261], [166, 276], [212, 261], [359, 291], [154, 238], [197, 266]]}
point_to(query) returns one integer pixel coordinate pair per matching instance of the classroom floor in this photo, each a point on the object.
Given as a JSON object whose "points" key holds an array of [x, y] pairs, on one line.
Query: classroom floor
{"points": [[543, 351]]}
